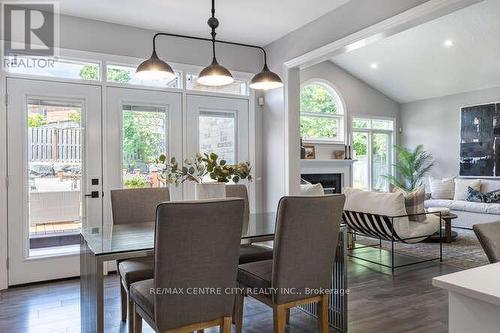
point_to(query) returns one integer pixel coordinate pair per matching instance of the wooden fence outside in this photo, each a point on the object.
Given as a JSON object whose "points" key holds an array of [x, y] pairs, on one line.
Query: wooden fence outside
{"points": [[54, 145]]}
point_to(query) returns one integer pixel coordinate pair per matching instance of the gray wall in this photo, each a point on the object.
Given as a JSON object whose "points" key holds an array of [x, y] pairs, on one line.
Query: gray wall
{"points": [[347, 19], [435, 123], [360, 99]]}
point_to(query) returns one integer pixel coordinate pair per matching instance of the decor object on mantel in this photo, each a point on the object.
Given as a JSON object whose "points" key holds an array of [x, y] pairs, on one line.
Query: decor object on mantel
{"points": [[411, 167], [339, 154], [480, 141], [310, 152], [214, 74], [198, 167]]}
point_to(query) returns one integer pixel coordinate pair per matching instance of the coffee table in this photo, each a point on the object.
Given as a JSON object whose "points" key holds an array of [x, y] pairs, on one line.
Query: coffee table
{"points": [[447, 234]]}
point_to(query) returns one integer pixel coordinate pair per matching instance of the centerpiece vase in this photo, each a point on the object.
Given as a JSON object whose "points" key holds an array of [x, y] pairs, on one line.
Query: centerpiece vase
{"points": [[215, 190]]}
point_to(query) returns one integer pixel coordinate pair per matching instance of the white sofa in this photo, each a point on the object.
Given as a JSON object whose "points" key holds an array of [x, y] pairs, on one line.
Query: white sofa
{"points": [[470, 213]]}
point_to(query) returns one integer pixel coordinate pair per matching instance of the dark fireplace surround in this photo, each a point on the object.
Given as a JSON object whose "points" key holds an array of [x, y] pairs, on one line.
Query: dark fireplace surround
{"points": [[331, 182]]}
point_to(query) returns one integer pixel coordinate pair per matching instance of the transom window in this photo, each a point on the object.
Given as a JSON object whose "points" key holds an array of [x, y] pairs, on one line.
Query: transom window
{"points": [[321, 114]]}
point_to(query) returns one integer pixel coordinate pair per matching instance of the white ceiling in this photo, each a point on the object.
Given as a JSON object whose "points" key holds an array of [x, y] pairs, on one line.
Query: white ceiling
{"points": [[250, 21], [415, 65]]}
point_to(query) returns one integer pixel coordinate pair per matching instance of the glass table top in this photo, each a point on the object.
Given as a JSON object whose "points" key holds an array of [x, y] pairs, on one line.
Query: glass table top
{"points": [[139, 237]]}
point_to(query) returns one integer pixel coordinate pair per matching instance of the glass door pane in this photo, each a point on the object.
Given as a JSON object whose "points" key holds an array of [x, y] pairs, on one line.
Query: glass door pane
{"points": [[361, 168], [54, 171], [217, 134], [144, 138], [381, 143]]}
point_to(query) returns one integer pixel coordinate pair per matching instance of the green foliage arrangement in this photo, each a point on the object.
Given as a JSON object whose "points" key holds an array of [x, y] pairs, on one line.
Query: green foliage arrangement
{"points": [[411, 167], [202, 164]]}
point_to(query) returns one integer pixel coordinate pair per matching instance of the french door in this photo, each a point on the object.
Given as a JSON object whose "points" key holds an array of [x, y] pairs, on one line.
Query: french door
{"points": [[219, 125], [139, 125], [54, 175]]}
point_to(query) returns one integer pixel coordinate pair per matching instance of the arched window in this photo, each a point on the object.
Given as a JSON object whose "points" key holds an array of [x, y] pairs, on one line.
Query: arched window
{"points": [[321, 113]]}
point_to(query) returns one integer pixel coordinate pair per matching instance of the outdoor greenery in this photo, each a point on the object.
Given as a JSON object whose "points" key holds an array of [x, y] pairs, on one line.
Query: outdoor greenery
{"points": [[411, 167], [90, 72], [36, 120], [75, 117], [198, 167], [141, 141], [315, 98], [136, 182]]}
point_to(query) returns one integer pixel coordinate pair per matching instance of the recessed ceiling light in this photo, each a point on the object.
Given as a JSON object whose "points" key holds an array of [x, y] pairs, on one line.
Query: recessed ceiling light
{"points": [[374, 65], [448, 43]]}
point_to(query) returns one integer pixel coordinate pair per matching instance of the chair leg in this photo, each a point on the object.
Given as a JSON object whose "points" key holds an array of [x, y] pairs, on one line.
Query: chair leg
{"points": [[288, 316], [226, 325], [279, 313], [136, 318], [123, 300], [239, 302], [131, 308], [323, 314]]}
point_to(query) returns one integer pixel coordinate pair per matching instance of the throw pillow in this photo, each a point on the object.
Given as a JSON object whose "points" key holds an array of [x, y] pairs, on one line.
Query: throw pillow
{"points": [[442, 188], [476, 196], [414, 202], [462, 185], [312, 189]]}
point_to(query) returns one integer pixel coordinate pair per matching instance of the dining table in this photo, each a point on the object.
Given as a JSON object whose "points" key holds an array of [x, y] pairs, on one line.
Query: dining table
{"points": [[108, 243]]}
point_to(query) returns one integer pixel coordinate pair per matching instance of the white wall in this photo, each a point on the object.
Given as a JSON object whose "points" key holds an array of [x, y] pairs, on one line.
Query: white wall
{"points": [[347, 19], [435, 123], [360, 99]]}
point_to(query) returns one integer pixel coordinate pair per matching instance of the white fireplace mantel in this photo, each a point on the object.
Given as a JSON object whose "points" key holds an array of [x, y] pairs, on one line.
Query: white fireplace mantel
{"points": [[344, 167]]}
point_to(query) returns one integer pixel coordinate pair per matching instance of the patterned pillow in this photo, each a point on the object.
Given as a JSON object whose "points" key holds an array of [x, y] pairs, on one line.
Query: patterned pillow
{"points": [[476, 196], [414, 203]]}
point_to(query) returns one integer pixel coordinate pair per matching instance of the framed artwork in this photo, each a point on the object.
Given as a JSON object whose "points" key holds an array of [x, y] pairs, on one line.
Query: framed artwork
{"points": [[310, 152], [480, 141]]}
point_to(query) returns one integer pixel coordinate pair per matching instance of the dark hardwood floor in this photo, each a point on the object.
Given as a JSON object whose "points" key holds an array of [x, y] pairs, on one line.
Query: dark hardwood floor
{"points": [[378, 302]]}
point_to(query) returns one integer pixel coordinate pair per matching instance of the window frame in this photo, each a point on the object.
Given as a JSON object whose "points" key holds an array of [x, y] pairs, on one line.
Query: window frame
{"points": [[370, 131], [340, 116]]}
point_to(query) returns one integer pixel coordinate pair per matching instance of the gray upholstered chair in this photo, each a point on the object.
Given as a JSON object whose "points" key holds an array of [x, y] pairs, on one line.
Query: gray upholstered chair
{"points": [[248, 252], [306, 238], [196, 246], [135, 206], [489, 237]]}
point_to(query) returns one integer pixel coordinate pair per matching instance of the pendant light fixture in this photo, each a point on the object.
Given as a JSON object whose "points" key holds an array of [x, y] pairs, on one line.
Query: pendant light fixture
{"points": [[213, 75]]}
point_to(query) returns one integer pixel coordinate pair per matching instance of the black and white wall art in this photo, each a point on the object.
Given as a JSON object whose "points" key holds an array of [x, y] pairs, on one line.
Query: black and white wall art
{"points": [[480, 141]]}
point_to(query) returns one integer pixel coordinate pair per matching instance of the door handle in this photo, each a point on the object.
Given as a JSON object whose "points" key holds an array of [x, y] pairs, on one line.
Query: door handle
{"points": [[93, 194]]}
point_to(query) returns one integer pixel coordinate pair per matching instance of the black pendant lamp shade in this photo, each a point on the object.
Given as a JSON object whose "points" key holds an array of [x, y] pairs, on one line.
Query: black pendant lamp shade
{"points": [[215, 75], [154, 68], [266, 80]]}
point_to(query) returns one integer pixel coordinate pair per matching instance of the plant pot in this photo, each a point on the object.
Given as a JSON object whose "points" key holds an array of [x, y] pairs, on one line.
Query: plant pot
{"points": [[210, 191]]}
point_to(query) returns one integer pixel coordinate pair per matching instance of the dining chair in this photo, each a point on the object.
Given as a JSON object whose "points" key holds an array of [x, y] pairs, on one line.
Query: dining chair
{"points": [[248, 252], [300, 272], [135, 206], [489, 238], [196, 249]]}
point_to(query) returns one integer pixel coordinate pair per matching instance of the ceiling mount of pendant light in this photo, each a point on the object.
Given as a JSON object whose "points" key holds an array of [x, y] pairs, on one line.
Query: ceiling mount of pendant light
{"points": [[213, 75]]}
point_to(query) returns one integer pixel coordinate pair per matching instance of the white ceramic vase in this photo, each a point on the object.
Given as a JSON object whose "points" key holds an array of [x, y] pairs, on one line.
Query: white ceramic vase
{"points": [[210, 191]]}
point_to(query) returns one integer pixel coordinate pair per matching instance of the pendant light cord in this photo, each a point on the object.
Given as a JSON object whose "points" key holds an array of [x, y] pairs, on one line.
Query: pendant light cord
{"points": [[213, 23]]}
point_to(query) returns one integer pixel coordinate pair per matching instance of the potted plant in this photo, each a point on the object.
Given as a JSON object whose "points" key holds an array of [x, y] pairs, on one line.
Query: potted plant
{"points": [[209, 173], [411, 167]]}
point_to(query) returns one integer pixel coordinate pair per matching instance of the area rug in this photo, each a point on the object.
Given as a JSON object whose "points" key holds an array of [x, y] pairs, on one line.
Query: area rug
{"points": [[465, 252]]}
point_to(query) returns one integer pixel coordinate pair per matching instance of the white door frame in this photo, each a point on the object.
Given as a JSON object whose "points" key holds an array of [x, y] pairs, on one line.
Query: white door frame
{"points": [[48, 266], [413, 17]]}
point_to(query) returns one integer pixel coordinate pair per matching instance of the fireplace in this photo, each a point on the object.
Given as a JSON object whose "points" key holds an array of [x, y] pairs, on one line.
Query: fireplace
{"points": [[331, 182]]}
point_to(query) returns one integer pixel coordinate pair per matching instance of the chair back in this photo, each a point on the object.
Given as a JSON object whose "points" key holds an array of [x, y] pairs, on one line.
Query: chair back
{"points": [[137, 205], [307, 230], [239, 191], [197, 246], [489, 237]]}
